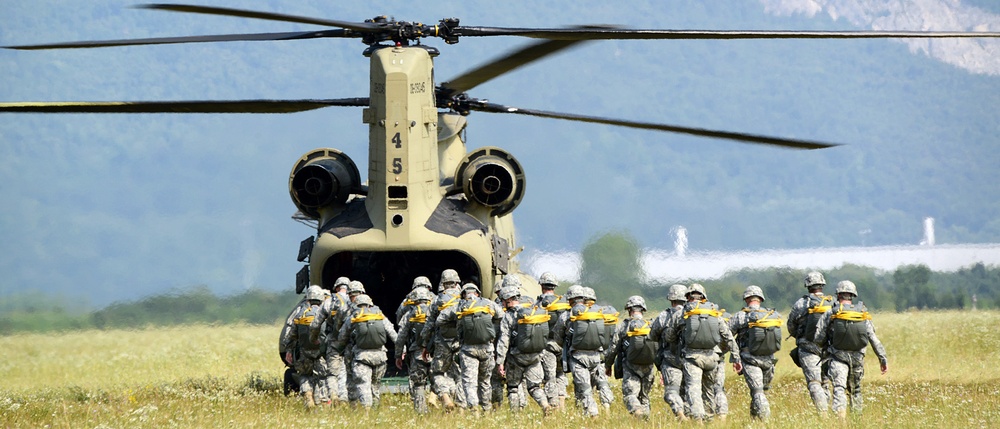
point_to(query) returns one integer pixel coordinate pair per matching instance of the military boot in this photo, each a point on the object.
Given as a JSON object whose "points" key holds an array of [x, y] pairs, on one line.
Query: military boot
{"points": [[308, 400], [446, 401]]}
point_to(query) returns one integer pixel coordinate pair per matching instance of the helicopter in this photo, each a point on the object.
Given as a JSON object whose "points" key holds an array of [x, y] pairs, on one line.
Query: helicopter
{"points": [[428, 203]]}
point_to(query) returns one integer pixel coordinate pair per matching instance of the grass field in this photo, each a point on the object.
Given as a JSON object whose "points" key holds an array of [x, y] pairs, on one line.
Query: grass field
{"points": [[942, 373]]}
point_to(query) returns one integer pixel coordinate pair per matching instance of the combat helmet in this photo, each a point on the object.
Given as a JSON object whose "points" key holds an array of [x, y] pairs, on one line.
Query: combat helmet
{"points": [[574, 292], [635, 301], [355, 287], [696, 288], [315, 293], [677, 292], [341, 282], [548, 281], [363, 300], [511, 281], [471, 287], [589, 294], [847, 286], [508, 292], [421, 281], [813, 279], [449, 276], [754, 290]]}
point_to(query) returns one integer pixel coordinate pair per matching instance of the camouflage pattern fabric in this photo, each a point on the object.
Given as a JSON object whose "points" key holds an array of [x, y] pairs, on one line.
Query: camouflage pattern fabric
{"points": [[817, 380]]}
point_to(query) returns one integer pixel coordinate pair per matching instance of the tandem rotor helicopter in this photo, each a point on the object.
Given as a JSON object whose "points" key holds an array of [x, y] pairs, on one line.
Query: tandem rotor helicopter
{"points": [[427, 202]]}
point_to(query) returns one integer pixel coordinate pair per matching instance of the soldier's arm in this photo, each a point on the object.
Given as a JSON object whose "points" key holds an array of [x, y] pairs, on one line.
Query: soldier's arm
{"points": [[559, 336], [616, 338], [343, 335], [324, 313], [503, 341], [403, 336], [821, 327], [390, 330], [876, 344], [673, 327], [730, 341], [793, 317]]}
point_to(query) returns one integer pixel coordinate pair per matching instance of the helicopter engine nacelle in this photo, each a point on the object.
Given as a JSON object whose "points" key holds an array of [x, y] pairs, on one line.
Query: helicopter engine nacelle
{"points": [[492, 177], [323, 178]]}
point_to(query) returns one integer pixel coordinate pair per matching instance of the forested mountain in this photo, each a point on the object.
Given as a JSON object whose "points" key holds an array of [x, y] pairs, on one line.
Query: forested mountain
{"points": [[121, 206]]}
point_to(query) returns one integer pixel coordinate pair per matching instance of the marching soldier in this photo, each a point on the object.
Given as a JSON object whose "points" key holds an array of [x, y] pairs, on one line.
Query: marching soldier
{"points": [[365, 333], [758, 333], [700, 328], [303, 355], [475, 318], [635, 351], [581, 331], [802, 320], [524, 332], [670, 361], [555, 305], [846, 330], [441, 340], [413, 322]]}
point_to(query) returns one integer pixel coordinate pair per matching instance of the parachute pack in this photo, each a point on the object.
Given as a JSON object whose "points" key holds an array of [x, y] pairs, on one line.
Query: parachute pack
{"points": [[306, 347], [368, 329], [555, 306], [532, 329], [418, 319], [447, 330], [639, 348], [818, 305], [848, 327], [763, 338], [701, 331], [587, 326], [475, 323]]}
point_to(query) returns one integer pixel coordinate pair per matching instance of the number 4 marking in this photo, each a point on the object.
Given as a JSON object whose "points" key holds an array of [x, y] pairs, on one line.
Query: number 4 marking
{"points": [[396, 140]]}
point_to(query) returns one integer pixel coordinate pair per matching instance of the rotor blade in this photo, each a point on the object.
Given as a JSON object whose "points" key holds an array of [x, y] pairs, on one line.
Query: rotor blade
{"points": [[189, 39], [235, 106], [225, 11], [506, 63], [485, 106], [628, 34]]}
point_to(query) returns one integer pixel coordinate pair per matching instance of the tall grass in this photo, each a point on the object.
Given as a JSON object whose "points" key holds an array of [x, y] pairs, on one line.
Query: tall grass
{"points": [[941, 373]]}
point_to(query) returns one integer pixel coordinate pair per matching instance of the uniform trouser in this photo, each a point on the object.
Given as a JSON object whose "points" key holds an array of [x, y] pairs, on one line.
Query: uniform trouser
{"points": [[525, 372], [637, 382], [604, 391], [721, 399], [418, 370], [699, 381], [673, 379], [336, 381], [477, 365], [307, 374], [588, 370], [758, 373], [366, 379], [846, 377], [555, 378], [445, 375], [497, 383], [817, 380]]}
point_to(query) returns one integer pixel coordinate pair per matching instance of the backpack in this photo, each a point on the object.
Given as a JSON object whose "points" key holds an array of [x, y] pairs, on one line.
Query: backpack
{"points": [[817, 306], [701, 331], [532, 329], [639, 348], [587, 327], [447, 330], [368, 331], [555, 306], [849, 327], [475, 323], [306, 347], [417, 320], [763, 338], [610, 323]]}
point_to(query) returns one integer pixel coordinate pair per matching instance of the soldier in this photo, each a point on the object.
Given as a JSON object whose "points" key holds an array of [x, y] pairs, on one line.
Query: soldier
{"points": [[305, 356], [806, 312], [420, 282], [700, 327], [475, 319], [634, 350], [413, 322], [581, 331], [758, 333], [670, 361], [365, 333], [555, 305], [721, 409], [610, 323], [441, 342], [845, 331], [326, 325], [524, 332]]}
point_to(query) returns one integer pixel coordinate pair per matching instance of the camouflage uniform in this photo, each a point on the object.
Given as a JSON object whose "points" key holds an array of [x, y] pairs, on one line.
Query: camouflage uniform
{"points": [[699, 364], [443, 341], [367, 364], [327, 325], [521, 368], [413, 322], [307, 356], [587, 366], [847, 368], [637, 378], [555, 378], [603, 386], [802, 326], [758, 370], [670, 361], [475, 360]]}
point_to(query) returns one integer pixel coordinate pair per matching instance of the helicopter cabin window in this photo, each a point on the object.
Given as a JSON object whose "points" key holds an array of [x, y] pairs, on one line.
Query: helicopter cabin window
{"points": [[397, 192]]}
